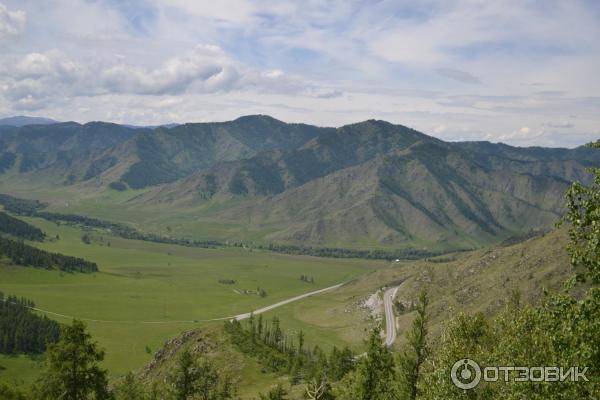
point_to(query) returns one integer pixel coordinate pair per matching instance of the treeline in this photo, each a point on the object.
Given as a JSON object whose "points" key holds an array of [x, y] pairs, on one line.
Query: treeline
{"points": [[73, 371], [15, 227], [22, 331], [20, 206], [22, 254], [124, 231], [336, 252], [279, 352]]}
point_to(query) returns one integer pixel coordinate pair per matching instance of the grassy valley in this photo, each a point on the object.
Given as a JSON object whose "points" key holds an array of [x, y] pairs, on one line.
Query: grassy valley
{"points": [[168, 288]]}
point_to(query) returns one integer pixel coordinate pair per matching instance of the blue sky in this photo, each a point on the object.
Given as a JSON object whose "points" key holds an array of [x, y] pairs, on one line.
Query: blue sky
{"points": [[520, 72]]}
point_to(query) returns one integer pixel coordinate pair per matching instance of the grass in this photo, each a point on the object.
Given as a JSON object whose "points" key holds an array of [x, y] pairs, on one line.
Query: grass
{"points": [[198, 222], [470, 282], [147, 293], [19, 370]]}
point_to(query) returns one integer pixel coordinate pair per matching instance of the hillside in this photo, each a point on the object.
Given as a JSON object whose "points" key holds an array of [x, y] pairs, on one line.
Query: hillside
{"points": [[470, 282], [364, 185], [479, 281]]}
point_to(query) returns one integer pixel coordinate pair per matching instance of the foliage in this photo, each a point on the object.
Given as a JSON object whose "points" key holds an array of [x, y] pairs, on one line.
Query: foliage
{"points": [[118, 186], [375, 375], [20, 206], [413, 358], [130, 389], [277, 393], [583, 214], [15, 227], [73, 368], [278, 352], [26, 255], [22, 331], [198, 379], [9, 393]]}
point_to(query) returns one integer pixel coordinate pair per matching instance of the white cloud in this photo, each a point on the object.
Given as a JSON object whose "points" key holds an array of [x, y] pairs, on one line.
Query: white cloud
{"points": [[327, 63], [35, 79], [560, 125], [12, 23], [206, 65]]}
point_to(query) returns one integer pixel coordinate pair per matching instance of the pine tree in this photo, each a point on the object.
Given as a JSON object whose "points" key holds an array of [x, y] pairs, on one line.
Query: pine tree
{"points": [[73, 371], [412, 359], [374, 378]]}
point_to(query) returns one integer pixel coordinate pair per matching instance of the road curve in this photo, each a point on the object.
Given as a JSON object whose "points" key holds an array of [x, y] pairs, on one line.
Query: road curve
{"points": [[390, 318], [284, 302]]}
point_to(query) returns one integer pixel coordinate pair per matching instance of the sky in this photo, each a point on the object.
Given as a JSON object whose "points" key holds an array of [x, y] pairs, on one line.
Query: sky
{"points": [[514, 71]]}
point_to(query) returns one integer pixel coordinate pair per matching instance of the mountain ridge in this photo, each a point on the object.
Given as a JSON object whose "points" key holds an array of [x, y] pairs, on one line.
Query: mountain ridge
{"points": [[368, 182]]}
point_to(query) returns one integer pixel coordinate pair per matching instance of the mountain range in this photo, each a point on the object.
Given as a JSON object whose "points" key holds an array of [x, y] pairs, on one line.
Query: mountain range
{"points": [[371, 183], [22, 120]]}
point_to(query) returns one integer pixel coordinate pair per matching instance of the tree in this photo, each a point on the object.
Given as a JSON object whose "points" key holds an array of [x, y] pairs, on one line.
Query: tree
{"points": [[374, 378], [561, 331], [278, 393], [183, 379], [198, 379], [130, 389], [318, 389], [583, 214], [9, 393], [412, 359], [73, 371]]}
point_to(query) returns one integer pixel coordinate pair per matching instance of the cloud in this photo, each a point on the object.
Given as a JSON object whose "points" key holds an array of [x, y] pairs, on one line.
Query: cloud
{"points": [[332, 94], [560, 125], [206, 68], [33, 80], [12, 23], [328, 63], [458, 75]]}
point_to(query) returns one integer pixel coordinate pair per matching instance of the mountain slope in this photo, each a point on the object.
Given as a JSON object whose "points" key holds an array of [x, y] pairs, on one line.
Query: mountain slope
{"points": [[375, 183], [63, 148], [407, 197], [366, 184]]}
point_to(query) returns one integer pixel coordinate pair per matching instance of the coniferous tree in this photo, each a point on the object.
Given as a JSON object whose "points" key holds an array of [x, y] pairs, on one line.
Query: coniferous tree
{"points": [[73, 371], [412, 359], [374, 378]]}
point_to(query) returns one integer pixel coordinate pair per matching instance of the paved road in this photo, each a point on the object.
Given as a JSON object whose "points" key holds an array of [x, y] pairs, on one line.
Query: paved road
{"points": [[284, 302], [390, 318]]}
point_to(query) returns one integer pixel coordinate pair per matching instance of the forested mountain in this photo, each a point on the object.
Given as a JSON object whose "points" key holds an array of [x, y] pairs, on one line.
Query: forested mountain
{"points": [[371, 182]]}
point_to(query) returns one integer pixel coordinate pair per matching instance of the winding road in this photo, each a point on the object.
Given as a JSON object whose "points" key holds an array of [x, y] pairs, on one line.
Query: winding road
{"points": [[390, 318]]}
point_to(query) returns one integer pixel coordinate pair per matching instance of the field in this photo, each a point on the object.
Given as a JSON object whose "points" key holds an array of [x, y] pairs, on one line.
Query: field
{"points": [[146, 293]]}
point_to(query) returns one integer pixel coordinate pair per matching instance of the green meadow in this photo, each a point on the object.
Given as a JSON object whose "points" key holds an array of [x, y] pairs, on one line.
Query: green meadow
{"points": [[147, 293]]}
